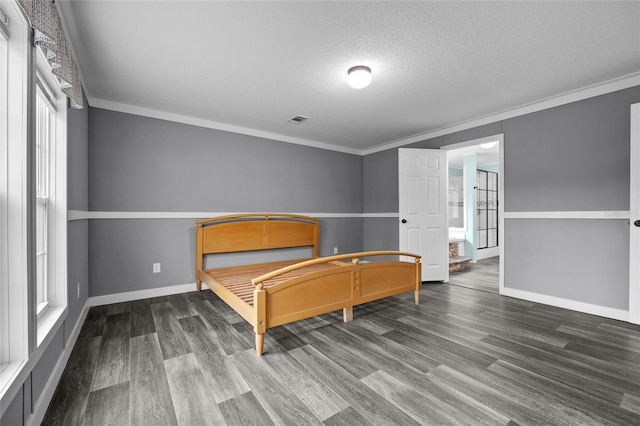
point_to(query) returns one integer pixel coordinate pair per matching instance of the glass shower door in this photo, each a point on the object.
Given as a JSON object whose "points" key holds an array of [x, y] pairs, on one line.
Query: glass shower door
{"points": [[487, 224]]}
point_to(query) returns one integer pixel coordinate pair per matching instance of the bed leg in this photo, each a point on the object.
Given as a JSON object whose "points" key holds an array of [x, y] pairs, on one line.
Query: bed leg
{"points": [[259, 343], [347, 314], [416, 296], [198, 285]]}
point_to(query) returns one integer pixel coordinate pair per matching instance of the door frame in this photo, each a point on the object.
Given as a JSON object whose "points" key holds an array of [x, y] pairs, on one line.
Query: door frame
{"points": [[634, 214], [474, 142]]}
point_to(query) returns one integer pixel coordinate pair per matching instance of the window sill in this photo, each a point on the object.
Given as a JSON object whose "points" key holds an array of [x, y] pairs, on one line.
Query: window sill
{"points": [[9, 372], [50, 323], [13, 375]]}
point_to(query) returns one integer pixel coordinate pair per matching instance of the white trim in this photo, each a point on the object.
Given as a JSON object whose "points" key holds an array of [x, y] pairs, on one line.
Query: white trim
{"points": [[56, 176], [84, 215], [378, 215], [25, 368], [605, 214], [487, 253], [50, 323], [15, 298], [501, 204], [587, 92], [634, 214], [613, 85], [499, 251], [178, 118], [587, 308], [128, 296], [42, 404], [77, 215], [475, 142], [4, 245]]}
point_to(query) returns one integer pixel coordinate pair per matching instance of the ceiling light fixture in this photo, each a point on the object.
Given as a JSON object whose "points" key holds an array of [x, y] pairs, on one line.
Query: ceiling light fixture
{"points": [[488, 145], [359, 76]]}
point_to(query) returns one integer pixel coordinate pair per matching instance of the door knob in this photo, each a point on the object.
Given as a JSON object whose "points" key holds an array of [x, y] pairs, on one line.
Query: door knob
{"points": [[637, 222]]}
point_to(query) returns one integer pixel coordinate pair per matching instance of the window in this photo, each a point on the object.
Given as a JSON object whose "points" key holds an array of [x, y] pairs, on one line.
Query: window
{"points": [[15, 336], [50, 240], [33, 203], [4, 293], [487, 222], [45, 115]]}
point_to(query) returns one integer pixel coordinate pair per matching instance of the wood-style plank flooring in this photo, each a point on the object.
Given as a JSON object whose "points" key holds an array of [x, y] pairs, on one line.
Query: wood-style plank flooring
{"points": [[483, 275], [462, 356]]}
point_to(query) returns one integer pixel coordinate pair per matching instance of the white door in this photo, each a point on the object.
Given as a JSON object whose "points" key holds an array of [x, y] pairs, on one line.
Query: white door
{"points": [[422, 177], [634, 206]]}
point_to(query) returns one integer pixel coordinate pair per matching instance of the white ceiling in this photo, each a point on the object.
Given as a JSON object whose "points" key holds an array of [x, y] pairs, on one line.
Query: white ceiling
{"points": [[251, 66]]}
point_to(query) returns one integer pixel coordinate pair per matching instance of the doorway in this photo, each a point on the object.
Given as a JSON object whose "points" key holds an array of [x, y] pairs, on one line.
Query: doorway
{"points": [[476, 180]]}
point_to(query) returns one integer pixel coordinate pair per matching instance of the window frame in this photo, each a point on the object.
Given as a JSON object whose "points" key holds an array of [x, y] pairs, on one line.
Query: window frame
{"points": [[25, 337], [4, 247], [50, 318], [45, 133], [18, 336]]}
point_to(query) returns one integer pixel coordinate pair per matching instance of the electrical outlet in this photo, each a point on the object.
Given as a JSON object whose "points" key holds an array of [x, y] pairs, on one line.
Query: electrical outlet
{"points": [[78, 291], [335, 250], [156, 268]]}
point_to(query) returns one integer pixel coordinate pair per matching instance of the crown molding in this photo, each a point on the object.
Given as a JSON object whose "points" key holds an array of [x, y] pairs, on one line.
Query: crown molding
{"points": [[74, 215], [609, 86], [178, 118]]}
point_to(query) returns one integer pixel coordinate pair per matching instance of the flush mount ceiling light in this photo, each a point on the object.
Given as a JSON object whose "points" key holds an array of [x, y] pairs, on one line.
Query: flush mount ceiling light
{"points": [[359, 76], [488, 145]]}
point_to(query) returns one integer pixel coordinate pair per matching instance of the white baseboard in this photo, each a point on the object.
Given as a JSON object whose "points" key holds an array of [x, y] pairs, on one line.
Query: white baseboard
{"points": [[40, 408], [140, 294], [488, 252], [587, 308]]}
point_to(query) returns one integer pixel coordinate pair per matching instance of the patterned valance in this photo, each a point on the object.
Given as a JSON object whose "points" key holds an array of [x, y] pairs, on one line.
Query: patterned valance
{"points": [[49, 36]]}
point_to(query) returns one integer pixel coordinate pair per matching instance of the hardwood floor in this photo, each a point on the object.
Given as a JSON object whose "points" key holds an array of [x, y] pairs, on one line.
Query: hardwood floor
{"points": [[483, 275], [461, 357]]}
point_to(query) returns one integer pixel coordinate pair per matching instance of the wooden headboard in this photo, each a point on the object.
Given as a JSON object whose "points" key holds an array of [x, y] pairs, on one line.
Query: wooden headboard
{"points": [[255, 231]]}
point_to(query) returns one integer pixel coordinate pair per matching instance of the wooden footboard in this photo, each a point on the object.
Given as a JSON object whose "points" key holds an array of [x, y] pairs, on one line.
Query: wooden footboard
{"points": [[331, 289]]}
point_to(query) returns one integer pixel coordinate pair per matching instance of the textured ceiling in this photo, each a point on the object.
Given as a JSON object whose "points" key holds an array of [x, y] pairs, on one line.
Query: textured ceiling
{"points": [[251, 66]]}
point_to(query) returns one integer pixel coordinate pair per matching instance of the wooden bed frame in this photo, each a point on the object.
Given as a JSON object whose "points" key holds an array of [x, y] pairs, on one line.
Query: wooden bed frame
{"points": [[270, 294]]}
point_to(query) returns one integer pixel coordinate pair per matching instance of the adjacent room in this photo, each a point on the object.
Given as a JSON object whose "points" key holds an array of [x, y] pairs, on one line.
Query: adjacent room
{"points": [[312, 212], [473, 202]]}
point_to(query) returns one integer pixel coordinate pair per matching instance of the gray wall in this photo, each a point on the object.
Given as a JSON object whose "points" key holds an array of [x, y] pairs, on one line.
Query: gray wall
{"points": [[23, 404], [144, 164], [140, 164], [573, 157], [584, 260], [77, 199]]}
